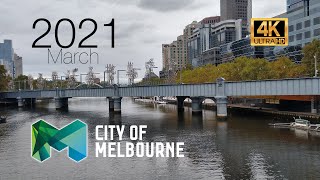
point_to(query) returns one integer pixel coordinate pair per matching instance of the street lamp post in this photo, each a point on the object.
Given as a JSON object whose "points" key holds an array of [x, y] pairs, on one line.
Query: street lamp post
{"points": [[315, 66], [118, 71], [104, 78], [180, 75]]}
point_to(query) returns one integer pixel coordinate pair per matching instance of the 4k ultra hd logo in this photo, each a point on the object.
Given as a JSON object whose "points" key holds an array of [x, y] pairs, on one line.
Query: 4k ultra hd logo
{"points": [[269, 32], [45, 136]]}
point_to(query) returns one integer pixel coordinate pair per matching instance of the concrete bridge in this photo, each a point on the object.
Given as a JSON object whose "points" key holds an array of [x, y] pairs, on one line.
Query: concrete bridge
{"points": [[219, 92]]}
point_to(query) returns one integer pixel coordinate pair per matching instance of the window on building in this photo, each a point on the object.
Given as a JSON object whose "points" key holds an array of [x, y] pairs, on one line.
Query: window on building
{"points": [[291, 28], [299, 26], [307, 34], [316, 21], [316, 32], [299, 36], [307, 23], [291, 38]]}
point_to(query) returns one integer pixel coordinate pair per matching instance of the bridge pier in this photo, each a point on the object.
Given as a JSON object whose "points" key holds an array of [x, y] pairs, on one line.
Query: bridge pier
{"points": [[115, 104], [20, 102], [30, 102], [111, 104], [61, 102], [196, 105], [180, 103], [314, 106], [221, 102]]}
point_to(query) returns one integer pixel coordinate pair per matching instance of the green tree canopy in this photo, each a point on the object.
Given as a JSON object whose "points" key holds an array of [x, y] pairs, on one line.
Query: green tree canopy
{"points": [[21, 78], [285, 68], [243, 69], [308, 60], [4, 79]]}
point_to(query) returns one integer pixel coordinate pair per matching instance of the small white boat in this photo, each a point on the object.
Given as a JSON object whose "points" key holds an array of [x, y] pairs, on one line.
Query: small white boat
{"points": [[315, 127], [161, 102], [298, 124], [301, 123]]}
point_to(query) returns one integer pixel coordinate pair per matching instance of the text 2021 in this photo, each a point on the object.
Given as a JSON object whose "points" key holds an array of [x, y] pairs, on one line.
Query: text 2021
{"points": [[82, 44]]}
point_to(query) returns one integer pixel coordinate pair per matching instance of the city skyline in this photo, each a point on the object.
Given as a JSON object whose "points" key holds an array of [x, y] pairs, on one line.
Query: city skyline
{"points": [[143, 20]]}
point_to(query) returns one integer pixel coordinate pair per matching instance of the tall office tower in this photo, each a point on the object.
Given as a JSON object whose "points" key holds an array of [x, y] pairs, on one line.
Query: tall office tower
{"points": [[304, 21], [236, 9], [6, 55]]}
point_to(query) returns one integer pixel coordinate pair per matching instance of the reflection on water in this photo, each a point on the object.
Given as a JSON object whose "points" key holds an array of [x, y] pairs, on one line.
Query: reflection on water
{"points": [[240, 148]]}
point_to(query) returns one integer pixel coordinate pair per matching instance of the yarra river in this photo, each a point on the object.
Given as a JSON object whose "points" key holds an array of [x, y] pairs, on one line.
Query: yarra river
{"points": [[243, 147]]}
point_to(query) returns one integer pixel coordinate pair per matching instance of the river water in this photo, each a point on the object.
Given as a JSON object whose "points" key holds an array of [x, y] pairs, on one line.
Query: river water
{"points": [[243, 147]]}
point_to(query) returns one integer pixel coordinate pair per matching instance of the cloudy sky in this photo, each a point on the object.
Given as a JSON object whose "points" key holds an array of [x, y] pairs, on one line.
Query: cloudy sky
{"points": [[141, 26]]}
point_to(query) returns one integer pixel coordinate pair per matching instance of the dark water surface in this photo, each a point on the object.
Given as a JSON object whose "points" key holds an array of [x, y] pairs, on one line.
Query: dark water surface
{"points": [[240, 148]]}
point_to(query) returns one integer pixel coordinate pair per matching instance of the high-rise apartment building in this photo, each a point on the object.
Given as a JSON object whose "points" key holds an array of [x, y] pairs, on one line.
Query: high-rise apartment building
{"points": [[165, 56], [236, 9], [18, 68], [170, 55], [175, 55], [180, 59]]}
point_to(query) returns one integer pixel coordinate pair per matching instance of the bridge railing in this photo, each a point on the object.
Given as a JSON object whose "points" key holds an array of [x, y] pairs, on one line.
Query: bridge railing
{"points": [[291, 86], [302, 86], [15, 86]]}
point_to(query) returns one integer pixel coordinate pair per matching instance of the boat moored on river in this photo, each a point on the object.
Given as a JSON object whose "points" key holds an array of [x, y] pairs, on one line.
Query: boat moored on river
{"points": [[3, 119], [298, 124], [301, 123]]}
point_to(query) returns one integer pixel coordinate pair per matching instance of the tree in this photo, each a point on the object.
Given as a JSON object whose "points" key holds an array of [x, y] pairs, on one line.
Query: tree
{"points": [[21, 78], [308, 60], [150, 81], [4, 78], [244, 69], [285, 68]]}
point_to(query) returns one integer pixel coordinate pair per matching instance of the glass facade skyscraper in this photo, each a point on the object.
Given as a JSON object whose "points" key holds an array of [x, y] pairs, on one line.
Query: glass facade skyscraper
{"points": [[242, 47], [6, 56], [205, 42], [304, 21]]}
